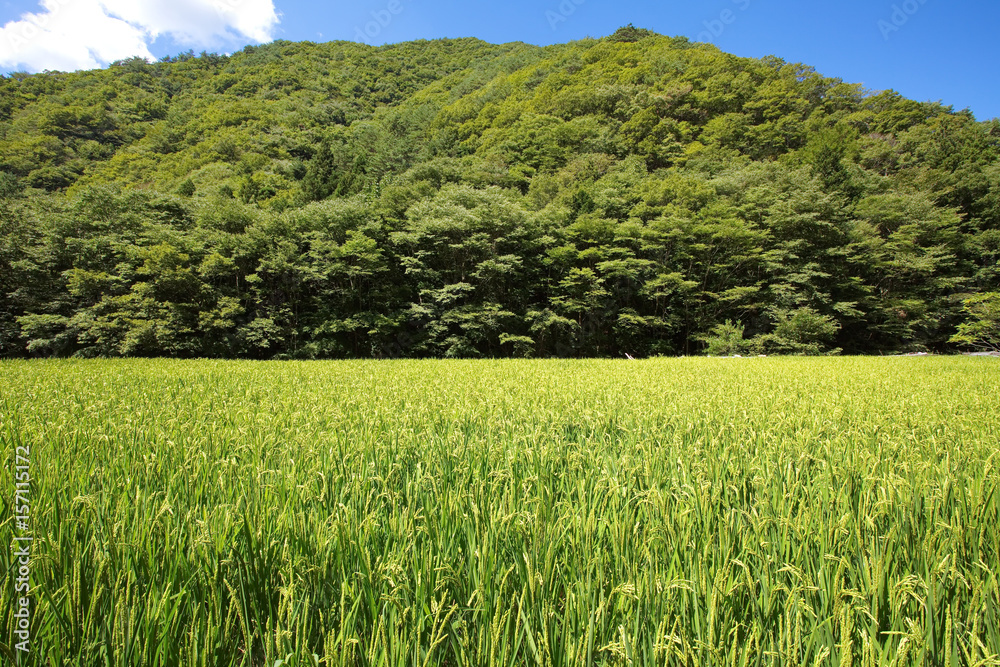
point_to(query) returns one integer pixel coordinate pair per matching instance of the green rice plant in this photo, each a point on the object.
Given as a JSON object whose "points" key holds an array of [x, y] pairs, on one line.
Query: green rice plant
{"points": [[738, 512]]}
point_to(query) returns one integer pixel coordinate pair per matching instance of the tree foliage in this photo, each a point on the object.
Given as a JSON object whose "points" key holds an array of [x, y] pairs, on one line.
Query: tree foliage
{"points": [[629, 195], [983, 329]]}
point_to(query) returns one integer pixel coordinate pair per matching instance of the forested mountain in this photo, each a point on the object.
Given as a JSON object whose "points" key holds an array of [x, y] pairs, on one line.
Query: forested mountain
{"points": [[633, 194]]}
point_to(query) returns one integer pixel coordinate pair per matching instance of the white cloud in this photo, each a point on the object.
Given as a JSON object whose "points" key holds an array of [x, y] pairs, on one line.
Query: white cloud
{"points": [[200, 22], [83, 34]]}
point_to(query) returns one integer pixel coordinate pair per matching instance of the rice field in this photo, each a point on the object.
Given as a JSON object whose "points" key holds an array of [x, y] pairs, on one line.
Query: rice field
{"points": [[834, 511]]}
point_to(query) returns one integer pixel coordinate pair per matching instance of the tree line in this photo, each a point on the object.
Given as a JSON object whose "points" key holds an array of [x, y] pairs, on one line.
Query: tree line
{"points": [[636, 194]]}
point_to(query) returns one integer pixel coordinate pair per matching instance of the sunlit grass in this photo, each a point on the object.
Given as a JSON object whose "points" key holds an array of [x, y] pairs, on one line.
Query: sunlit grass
{"points": [[681, 512]]}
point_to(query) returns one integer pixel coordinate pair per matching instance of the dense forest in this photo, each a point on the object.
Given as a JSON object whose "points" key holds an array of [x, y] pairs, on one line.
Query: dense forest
{"points": [[636, 194]]}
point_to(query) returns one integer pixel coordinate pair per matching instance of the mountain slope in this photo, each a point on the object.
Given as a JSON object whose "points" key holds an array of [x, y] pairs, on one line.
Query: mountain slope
{"points": [[624, 195]]}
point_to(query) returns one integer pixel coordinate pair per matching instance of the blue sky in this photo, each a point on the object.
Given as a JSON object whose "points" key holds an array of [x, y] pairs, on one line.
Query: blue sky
{"points": [[943, 50]]}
